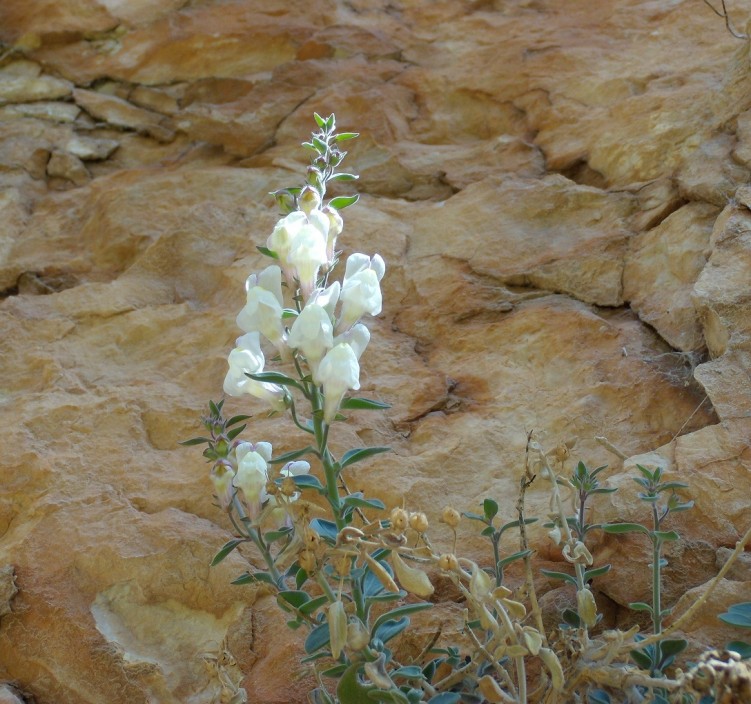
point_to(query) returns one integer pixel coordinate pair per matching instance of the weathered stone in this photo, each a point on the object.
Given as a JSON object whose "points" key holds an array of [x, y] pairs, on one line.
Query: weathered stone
{"points": [[8, 589], [9, 695], [89, 149], [69, 167], [25, 89], [54, 111], [121, 113], [152, 99], [661, 269]]}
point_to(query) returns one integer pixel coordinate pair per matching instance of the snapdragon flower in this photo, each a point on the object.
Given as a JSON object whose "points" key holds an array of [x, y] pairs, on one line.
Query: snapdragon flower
{"points": [[308, 251], [361, 289], [338, 371], [336, 225], [263, 310], [247, 358], [222, 476], [313, 334], [252, 474]]}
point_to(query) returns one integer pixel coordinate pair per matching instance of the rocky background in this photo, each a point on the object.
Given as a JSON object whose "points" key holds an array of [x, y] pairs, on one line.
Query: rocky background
{"points": [[559, 192]]}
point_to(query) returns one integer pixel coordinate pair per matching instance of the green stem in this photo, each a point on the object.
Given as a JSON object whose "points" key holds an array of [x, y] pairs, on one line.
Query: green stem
{"points": [[321, 431], [656, 586], [496, 538], [255, 536]]}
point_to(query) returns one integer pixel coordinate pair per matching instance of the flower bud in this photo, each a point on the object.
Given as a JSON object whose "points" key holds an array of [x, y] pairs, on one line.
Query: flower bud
{"points": [[448, 562], [451, 517], [357, 635], [399, 519], [587, 607], [309, 199], [222, 476], [336, 225], [337, 627], [418, 522], [412, 579]]}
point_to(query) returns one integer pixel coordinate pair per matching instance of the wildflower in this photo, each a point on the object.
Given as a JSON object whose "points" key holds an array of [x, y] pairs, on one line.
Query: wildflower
{"points": [[313, 334], [247, 358], [338, 371], [451, 517], [336, 225], [222, 476], [308, 251], [418, 522], [252, 474], [361, 289], [264, 306]]}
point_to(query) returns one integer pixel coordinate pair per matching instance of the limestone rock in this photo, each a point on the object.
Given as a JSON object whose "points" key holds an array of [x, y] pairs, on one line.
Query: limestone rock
{"points": [[121, 113], [25, 89], [54, 111], [88, 149], [661, 269], [69, 167], [8, 589]]}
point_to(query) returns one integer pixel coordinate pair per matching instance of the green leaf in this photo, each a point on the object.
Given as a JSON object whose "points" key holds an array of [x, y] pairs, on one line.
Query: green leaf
{"points": [[344, 177], [313, 605], [194, 441], [571, 618], [317, 638], [308, 481], [390, 696], [274, 535], [487, 532], [666, 535], [640, 606], [350, 690], [559, 575], [335, 672], [342, 136], [232, 434], [319, 144], [625, 528], [326, 529], [293, 455], [321, 122], [342, 202], [359, 454], [409, 672], [295, 598], [473, 516], [248, 578], [330, 123], [214, 408], [515, 524], [738, 615], [490, 508], [362, 404], [596, 572], [400, 611], [670, 647], [598, 696], [356, 501], [267, 252], [390, 629], [515, 556], [642, 659], [738, 646], [237, 419], [226, 550], [301, 576], [274, 378]]}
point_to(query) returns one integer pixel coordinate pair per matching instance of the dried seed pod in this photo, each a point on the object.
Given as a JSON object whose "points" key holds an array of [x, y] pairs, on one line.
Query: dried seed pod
{"points": [[412, 579], [586, 607], [307, 561], [337, 627], [418, 522], [451, 517], [448, 562], [381, 573], [399, 520], [480, 583]]}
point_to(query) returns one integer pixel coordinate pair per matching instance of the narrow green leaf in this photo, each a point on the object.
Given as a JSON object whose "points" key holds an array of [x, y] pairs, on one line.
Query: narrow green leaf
{"points": [[226, 550], [571, 618], [308, 481], [400, 611], [359, 454], [326, 529], [642, 659], [473, 516], [559, 575], [343, 136], [344, 177], [487, 532], [274, 378], [335, 671], [409, 672], [666, 535], [293, 455], [390, 629], [313, 605], [248, 578], [237, 419], [596, 572], [670, 647], [214, 408], [232, 434], [274, 535], [358, 502], [267, 252], [515, 524], [625, 528], [640, 606], [330, 125], [194, 441], [364, 404], [513, 557], [292, 597], [321, 122], [342, 202]]}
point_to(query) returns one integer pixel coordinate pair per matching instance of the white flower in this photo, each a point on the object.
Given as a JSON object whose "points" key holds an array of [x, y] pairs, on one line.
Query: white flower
{"points": [[336, 225], [338, 371], [247, 358], [327, 298], [295, 469], [264, 306], [313, 334], [252, 474], [221, 477], [361, 290], [357, 337], [308, 251], [280, 240]]}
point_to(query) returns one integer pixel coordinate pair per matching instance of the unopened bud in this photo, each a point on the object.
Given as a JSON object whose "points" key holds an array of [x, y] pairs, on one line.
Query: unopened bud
{"points": [[358, 636], [399, 520], [448, 562], [587, 607], [451, 517], [309, 200], [418, 522]]}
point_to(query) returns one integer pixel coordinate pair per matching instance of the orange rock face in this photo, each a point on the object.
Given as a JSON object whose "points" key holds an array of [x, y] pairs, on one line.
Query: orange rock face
{"points": [[558, 191]]}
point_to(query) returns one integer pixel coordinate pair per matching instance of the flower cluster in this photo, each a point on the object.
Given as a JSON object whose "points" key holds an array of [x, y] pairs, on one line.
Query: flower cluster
{"points": [[321, 328]]}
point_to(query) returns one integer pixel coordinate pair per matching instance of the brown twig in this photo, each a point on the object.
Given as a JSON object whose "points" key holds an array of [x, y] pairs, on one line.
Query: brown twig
{"points": [[724, 14]]}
